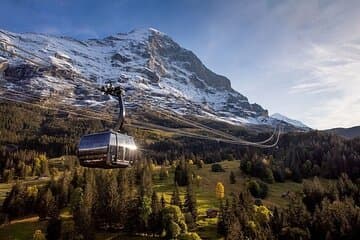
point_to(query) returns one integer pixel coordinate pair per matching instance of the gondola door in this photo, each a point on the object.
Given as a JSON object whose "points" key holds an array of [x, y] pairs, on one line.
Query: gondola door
{"points": [[113, 148]]}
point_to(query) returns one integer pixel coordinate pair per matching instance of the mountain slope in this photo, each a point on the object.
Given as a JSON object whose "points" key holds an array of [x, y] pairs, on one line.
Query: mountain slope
{"points": [[293, 122], [352, 132], [152, 68]]}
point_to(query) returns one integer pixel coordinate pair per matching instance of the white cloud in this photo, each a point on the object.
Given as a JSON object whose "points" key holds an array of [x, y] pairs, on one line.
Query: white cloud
{"points": [[300, 58], [333, 71]]}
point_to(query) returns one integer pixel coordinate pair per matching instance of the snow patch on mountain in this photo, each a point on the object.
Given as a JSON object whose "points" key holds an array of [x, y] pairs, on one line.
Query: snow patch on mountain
{"points": [[293, 122]]}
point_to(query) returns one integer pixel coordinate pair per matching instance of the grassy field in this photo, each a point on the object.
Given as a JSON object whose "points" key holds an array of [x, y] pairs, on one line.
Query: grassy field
{"points": [[205, 192], [58, 163], [206, 197], [5, 188]]}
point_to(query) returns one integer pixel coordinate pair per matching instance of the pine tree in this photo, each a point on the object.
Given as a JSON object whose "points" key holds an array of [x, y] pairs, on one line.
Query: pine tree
{"points": [[64, 189], [182, 173], [276, 223], [108, 199], [46, 204], [53, 231], [82, 213], [155, 216], [173, 222], [190, 202], [222, 224], [145, 211], [155, 203], [145, 179], [232, 178], [162, 201], [175, 197], [125, 193]]}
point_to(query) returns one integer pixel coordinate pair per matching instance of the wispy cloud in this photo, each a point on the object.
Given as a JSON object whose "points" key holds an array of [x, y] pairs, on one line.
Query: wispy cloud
{"points": [[303, 57], [79, 31], [334, 71]]}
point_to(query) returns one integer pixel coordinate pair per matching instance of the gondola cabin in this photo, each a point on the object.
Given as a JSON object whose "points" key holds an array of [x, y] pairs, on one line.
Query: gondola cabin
{"points": [[108, 149]]}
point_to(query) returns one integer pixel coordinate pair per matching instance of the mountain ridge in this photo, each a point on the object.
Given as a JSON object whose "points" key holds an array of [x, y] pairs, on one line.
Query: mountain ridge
{"points": [[149, 64], [296, 123], [349, 133]]}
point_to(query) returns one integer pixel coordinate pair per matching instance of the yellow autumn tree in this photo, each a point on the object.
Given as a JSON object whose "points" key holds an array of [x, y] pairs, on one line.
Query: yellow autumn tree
{"points": [[220, 190], [262, 214], [38, 235]]}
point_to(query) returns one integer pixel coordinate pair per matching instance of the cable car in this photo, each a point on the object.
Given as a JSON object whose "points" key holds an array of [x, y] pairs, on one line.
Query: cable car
{"points": [[107, 149]]}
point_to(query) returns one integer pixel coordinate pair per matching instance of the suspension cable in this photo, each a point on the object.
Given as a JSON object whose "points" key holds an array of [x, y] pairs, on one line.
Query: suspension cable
{"points": [[211, 130]]}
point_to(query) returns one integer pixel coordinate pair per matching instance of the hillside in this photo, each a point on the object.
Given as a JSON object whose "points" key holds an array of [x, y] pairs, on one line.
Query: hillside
{"points": [[349, 133]]}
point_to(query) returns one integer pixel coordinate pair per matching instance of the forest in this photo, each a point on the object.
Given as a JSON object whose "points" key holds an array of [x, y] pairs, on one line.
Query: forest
{"points": [[124, 200]]}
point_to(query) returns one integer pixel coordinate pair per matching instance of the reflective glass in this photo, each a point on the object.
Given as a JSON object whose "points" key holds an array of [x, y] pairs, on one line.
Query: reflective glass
{"points": [[94, 140]]}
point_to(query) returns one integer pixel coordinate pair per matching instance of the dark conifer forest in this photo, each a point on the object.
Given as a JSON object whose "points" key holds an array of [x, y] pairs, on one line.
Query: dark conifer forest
{"points": [[124, 200]]}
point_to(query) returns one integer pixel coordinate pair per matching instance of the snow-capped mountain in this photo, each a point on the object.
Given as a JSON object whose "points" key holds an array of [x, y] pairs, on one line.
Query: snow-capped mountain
{"points": [[293, 122], [148, 64]]}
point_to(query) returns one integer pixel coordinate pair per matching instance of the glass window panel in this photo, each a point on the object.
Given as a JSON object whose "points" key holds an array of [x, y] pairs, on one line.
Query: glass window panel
{"points": [[94, 140]]}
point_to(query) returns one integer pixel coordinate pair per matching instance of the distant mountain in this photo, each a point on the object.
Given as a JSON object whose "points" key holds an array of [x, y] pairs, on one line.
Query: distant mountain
{"points": [[148, 64], [293, 122], [352, 132]]}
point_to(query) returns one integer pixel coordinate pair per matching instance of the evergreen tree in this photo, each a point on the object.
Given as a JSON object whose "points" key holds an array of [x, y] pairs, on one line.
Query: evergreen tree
{"points": [[276, 223], [297, 218], [64, 189], [82, 213], [46, 204], [268, 175], [125, 190], [144, 172], [14, 203], [162, 201], [108, 202], [175, 197], [155, 216], [173, 222], [190, 204], [145, 212], [223, 218], [53, 231], [182, 173], [232, 178]]}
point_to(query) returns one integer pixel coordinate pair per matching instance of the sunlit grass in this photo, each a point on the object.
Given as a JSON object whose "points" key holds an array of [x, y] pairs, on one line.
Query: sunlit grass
{"points": [[21, 230]]}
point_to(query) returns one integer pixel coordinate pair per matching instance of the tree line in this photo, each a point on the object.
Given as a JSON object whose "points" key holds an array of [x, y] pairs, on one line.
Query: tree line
{"points": [[320, 211], [120, 200]]}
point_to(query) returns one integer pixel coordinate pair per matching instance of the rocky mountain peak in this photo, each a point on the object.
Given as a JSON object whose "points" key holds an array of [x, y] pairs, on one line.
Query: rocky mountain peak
{"points": [[150, 65]]}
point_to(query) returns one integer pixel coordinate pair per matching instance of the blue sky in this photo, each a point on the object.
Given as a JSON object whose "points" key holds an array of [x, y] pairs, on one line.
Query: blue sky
{"points": [[299, 58]]}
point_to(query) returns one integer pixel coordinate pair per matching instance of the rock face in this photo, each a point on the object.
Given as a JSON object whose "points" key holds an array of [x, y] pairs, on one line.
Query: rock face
{"points": [[151, 67], [3, 66]]}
